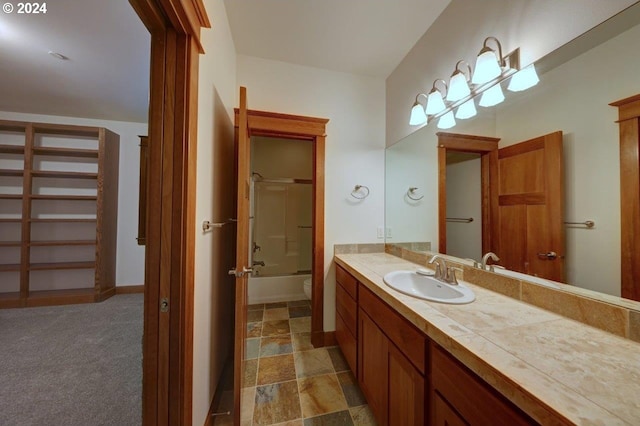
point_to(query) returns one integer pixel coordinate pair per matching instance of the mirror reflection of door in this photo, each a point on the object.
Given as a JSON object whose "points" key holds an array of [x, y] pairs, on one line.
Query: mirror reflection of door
{"points": [[530, 196], [515, 196]]}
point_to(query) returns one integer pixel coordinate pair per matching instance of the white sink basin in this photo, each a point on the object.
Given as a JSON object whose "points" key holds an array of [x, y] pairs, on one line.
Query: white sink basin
{"points": [[428, 288]]}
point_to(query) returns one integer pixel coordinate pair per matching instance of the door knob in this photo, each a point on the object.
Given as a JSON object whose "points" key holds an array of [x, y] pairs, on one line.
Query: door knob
{"points": [[552, 255]]}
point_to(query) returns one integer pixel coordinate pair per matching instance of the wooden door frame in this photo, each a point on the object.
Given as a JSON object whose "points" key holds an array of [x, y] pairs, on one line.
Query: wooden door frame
{"points": [[271, 124], [174, 26], [487, 147], [629, 121]]}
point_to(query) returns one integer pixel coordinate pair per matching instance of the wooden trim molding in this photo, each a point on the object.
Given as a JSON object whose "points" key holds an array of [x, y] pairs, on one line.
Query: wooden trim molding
{"points": [[263, 123], [487, 147], [130, 289], [629, 121], [168, 333]]}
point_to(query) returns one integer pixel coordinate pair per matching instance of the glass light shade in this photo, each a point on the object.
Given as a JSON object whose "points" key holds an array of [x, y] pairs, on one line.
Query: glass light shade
{"points": [[466, 110], [447, 121], [524, 79], [435, 103], [487, 67], [458, 87], [492, 96], [418, 116]]}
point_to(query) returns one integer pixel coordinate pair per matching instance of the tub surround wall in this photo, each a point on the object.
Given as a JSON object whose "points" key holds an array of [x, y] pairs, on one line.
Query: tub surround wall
{"points": [[544, 363]]}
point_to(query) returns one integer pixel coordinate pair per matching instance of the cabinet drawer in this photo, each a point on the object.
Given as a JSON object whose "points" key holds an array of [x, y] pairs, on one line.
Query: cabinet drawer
{"points": [[401, 332], [470, 396], [347, 281], [347, 343], [347, 308]]}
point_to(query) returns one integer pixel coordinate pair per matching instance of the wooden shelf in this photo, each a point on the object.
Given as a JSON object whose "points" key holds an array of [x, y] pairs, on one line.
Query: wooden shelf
{"points": [[10, 243], [11, 172], [10, 300], [54, 220], [10, 220], [65, 152], [10, 196], [9, 267], [64, 197], [61, 243], [63, 175], [10, 295], [11, 149], [61, 265]]}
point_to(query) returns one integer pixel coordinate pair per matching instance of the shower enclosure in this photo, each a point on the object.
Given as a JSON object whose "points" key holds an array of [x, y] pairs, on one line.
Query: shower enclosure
{"points": [[281, 238]]}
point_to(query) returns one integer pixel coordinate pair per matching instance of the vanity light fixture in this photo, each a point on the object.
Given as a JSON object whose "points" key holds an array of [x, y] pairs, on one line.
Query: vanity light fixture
{"points": [[524, 79], [493, 96], [418, 115], [467, 110], [435, 101], [488, 65], [492, 68], [459, 83], [447, 121]]}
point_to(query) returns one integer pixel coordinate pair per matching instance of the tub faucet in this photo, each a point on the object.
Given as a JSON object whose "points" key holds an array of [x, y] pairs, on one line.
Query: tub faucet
{"points": [[485, 258], [257, 262]]}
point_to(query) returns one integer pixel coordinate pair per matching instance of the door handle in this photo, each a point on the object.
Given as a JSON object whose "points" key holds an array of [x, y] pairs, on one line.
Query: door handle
{"points": [[240, 274], [552, 255]]}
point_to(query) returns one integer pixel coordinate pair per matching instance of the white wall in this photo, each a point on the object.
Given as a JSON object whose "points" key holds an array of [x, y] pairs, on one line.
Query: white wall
{"points": [[575, 98], [354, 148], [464, 200], [213, 294], [130, 256], [538, 27]]}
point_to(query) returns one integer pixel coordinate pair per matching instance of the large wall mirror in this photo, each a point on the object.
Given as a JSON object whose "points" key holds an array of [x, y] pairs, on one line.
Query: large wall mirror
{"points": [[577, 84]]}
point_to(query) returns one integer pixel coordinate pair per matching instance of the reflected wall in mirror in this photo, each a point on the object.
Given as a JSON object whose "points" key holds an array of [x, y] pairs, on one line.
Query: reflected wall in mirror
{"points": [[573, 97]]}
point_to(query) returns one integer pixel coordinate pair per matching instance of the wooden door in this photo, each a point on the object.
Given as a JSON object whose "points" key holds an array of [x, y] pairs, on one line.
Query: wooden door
{"points": [[243, 149], [372, 366], [530, 214], [406, 391]]}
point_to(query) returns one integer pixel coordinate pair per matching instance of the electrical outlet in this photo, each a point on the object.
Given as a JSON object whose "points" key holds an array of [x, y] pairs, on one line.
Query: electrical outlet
{"points": [[389, 234], [380, 232]]}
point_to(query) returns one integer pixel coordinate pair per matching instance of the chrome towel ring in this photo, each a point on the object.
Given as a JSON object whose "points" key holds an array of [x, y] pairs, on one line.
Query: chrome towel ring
{"points": [[411, 193], [360, 192]]}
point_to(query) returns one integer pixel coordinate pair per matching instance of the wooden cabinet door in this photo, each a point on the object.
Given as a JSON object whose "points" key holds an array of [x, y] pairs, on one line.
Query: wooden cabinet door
{"points": [[444, 415], [406, 391], [373, 347]]}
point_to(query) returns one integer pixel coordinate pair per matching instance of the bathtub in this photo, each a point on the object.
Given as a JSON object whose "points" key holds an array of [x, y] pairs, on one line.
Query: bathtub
{"points": [[276, 289]]}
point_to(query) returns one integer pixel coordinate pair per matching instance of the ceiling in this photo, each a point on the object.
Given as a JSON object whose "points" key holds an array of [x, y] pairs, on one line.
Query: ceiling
{"points": [[367, 37], [106, 75]]}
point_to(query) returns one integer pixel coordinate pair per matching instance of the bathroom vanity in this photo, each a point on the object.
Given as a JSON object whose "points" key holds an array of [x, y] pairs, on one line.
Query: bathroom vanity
{"points": [[494, 361]]}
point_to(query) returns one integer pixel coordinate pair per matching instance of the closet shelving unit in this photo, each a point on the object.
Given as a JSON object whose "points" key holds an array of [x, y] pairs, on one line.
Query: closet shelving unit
{"points": [[58, 220]]}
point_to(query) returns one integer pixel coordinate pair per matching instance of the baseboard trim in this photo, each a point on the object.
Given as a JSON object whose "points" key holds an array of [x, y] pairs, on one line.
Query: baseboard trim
{"points": [[130, 289], [330, 338], [225, 378]]}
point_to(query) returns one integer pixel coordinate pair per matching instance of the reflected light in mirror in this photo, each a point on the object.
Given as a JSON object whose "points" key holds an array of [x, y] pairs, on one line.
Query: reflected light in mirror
{"points": [[466, 110], [458, 84], [418, 116], [492, 97], [524, 79], [447, 121]]}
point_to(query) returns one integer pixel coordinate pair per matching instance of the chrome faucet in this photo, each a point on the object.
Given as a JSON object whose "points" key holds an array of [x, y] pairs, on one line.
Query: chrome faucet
{"points": [[485, 258], [444, 273]]}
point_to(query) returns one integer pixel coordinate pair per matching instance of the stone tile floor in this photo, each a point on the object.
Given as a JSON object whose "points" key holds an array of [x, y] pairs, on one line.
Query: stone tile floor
{"points": [[287, 381]]}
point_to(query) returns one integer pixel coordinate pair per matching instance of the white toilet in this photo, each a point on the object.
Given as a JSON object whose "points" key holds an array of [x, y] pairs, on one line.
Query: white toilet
{"points": [[307, 287]]}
